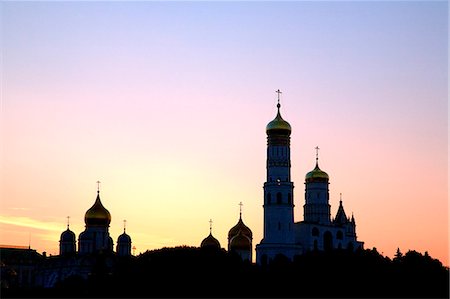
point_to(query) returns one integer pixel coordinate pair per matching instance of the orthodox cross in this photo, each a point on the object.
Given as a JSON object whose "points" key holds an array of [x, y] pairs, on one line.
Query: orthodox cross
{"points": [[98, 186], [317, 153], [68, 217], [210, 225], [240, 209], [279, 92], [124, 225], [340, 198]]}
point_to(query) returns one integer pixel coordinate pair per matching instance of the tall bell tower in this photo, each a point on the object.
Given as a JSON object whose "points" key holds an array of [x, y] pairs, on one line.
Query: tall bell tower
{"points": [[278, 193]]}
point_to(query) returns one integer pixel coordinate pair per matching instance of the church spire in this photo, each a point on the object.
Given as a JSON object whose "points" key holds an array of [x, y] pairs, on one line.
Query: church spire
{"points": [[278, 105], [240, 210], [317, 156], [210, 226]]}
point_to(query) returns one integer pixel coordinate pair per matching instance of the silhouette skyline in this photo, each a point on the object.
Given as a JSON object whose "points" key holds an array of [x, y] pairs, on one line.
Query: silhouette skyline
{"points": [[166, 104]]}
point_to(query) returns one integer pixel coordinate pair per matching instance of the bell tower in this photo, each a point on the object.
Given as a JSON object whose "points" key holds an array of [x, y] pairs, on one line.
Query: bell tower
{"points": [[278, 192]]}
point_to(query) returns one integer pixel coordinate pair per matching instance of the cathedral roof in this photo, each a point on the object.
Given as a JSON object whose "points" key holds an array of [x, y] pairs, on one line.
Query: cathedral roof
{"points": [[97, 214], [210, 242], [341, 218], [316, 174], [278, 125], [124, 238], [240, 227], [67, 236], [240, 241]]}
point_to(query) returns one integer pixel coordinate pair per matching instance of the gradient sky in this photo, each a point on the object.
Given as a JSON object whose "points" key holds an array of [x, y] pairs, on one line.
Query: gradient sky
{"points": [[166, 104]]}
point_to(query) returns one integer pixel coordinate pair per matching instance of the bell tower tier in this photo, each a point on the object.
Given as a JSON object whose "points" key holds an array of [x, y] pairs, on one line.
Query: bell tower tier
{"points": [[317, 207]]}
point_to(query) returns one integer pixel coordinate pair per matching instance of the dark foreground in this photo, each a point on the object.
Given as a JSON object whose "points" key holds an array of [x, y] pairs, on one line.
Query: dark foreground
{"points": [[185, 272]]}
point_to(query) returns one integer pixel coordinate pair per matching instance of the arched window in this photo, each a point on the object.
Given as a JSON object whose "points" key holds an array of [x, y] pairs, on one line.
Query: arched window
{"points": [[279, 197], [289, 198], [315, 231], [339, 235]]}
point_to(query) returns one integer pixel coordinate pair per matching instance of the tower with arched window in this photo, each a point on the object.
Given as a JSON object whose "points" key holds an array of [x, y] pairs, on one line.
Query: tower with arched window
{"points": [[278, 193], [317, 231]]}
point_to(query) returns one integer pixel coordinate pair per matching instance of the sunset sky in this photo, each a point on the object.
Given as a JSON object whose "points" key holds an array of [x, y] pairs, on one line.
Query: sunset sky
{"points": [[166, 104]]}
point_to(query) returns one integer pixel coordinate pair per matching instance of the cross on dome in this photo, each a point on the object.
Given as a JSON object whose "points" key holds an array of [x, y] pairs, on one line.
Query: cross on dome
{"points": [[210, 225], [279, 93], [240, 209], [68, 217], [98, 186], [317, 153]]}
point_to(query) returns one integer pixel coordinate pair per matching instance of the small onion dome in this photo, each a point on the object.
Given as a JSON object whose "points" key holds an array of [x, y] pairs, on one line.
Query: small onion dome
{"points": [[84, 236], [210, 242], [278, 125], [124, 238], [316, 175], [97, 214], [240, 241], [68, 236], [240, 227]]}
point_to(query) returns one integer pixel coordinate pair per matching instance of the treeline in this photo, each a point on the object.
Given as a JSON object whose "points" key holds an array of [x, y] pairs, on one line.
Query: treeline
{"points": [[198, 273]]}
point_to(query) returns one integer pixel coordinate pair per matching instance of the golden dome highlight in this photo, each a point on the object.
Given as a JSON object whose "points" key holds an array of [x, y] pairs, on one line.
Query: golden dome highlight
{"points": [[97, 214], [316, 174], [240, 241], [240, 227], [278, 125]]}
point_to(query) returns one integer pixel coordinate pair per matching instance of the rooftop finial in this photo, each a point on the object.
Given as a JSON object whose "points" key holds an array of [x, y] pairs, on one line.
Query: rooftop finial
{"points": [[240, 210], [98, 186], [317, 155], [124, 225], [279, 93], [340, 199], [210, 226], [68, 218]]}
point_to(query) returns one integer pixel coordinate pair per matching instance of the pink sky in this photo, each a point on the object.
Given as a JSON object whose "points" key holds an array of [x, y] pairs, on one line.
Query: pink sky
{"points": [[166, 104]]}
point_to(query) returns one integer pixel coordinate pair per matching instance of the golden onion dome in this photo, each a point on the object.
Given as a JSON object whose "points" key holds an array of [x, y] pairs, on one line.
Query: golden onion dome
{"points": [[240, 241], [316, 174], [97, 214], [210, 242], [278, 125], [240, 227]]}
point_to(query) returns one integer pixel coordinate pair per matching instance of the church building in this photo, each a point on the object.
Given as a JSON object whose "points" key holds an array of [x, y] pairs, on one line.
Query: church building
{"points": [[94, 241], [318, 231]]}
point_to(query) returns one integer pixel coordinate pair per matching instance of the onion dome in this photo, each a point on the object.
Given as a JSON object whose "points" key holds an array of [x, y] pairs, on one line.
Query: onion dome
{"points": [[278, 125], [68, 236], [97, 214], [240, 227], [240, 241], [210, 242], [84, 236], [124, 238], [316, 174]]}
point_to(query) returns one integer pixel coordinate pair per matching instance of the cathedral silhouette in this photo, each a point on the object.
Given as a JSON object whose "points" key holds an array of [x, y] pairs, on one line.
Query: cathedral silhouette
{"points": [[317, 231], [282, 235]]}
